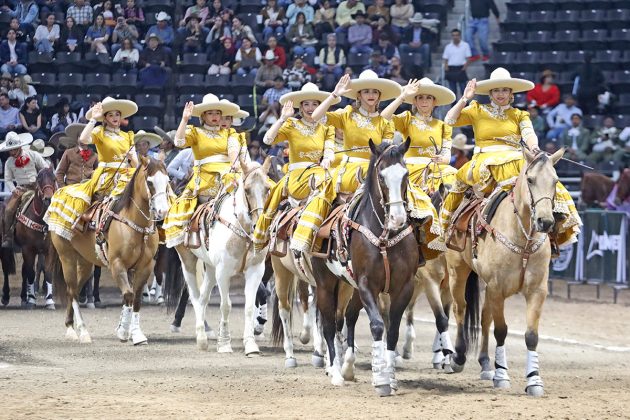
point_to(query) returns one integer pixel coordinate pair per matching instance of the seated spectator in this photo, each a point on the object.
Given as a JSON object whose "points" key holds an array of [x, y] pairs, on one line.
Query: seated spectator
{"points": [[214, 11], [387, 49], [360, 35], [241, 31], [415, 39], [31, 118], [545, 94], [193, 36], [5, 83], [46, 36], [85, 107], [63, 117], [376, 64], [162, 29], [247, 58], [401, 13], [273, 19], [278, 50], [20, 35], [270, 103], [538, 122], [82, 13], [576, 140], [22, 89], [605, 142], [558, 118], [378, 9], [127, 56], [380, 27], [13, 55], [324, 21], [133, 14], [123, 31], [344, 18], [300, 6], [218, 31], [460, 151], [268, 72], [154, 63], [71, 38], [98, 35], [332, 58], [110, 14], [222, 57], [9, 116], [395, 72], [622, 155], [301, 34], [27, 12], [296, 76], [200, 8]]}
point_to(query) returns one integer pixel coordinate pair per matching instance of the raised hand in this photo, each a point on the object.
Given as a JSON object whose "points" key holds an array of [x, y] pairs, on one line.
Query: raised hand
{"points": [[188, 110], [343, 86], [325, 163], [411, 88], [469, 92], [97, 111], [287, 110]]}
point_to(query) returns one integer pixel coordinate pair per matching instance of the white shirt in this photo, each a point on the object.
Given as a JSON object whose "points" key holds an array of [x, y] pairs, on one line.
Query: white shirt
{"points": [[42, 32], [181, 164], [457, 55], [26, 174], [13, 54]]}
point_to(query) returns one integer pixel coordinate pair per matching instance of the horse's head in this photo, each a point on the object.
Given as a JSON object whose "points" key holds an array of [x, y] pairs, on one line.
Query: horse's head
{"points": [[389, 174], [46, 185], [539, 178], [256, 187], [157, 181]]}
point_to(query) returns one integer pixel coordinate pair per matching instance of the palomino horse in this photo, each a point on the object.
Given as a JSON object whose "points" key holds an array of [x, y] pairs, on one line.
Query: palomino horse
{"points": [[380, 238], [31, 234], [132, 241], [523, 245], [227, 250]]}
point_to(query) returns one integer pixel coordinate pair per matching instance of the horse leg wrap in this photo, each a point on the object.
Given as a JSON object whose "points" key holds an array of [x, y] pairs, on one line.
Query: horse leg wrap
{"points": [[224, 340], [501, 377], [390, 368], [438, 356], [347, 370], [379, 375], [30, 294], [122, 330], [137, 336], [532, 372]]}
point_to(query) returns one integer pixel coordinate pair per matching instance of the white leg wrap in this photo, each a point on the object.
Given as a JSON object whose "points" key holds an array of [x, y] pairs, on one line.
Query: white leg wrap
{"points": [[347, 370], [379, 376], [338, 350], [137, 336], [390, 368], [533, 370], [445, 340], [224, 341], [122, 330], [501, 372], [30, 294], [410, 337], [437, 345]]}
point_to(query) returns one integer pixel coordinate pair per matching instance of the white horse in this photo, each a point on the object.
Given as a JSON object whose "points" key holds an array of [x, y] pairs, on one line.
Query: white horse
{"points": [[226, 249]]}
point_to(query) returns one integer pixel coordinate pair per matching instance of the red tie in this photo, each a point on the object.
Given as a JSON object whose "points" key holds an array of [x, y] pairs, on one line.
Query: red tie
{"points": [[85, 154], [22, 161]]}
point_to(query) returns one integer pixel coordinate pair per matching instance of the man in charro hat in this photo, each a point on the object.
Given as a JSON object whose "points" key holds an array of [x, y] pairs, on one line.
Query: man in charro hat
{"points": [[78, 162], [21, 168], [145, 142], [167, 147]]}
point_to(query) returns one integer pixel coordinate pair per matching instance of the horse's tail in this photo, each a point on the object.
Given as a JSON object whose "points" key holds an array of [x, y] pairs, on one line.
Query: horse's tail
{"points": [[56, 271], [7, 257], [174, 281], [472, 318], [277, 329]]}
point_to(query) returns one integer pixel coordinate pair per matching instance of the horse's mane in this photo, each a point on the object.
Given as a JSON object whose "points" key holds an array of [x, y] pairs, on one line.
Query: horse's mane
{"points": [[382, 152], [124, 199], [46, 171]]}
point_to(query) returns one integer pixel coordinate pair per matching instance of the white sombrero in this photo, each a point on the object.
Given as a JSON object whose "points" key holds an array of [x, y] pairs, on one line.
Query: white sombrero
{"points": [[442, 95], [309, 92], [14, 141], [210, 102], [40, 147], [125, 107], [459, 142], [500, 78], [153, 139], [370, 80]]}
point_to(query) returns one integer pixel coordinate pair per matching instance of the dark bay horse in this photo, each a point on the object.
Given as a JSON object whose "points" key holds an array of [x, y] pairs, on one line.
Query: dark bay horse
{"points": [[7, 259], [31, 234], [383, 260]]}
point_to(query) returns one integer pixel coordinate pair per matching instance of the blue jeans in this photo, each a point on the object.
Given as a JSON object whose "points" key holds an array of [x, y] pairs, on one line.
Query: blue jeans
{"points": [[242, 72], [557, 131], [479, 27], [299, 50], [424, 50], [268, 31], [17, 69], [44, 46], [363, 49], [337, 71]]}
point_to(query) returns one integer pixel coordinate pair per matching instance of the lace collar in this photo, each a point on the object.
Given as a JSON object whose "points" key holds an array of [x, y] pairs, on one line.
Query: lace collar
{"points": [[424, 119], [309, 124], [497, 111], [500, 108], [112, 130], [213, 129], [368, 114]]}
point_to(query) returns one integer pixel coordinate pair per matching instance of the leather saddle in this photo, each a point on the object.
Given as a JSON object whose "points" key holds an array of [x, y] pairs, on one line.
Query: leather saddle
{"points": [[282, 228], [95, 217], [331, 229], [203, 211]]}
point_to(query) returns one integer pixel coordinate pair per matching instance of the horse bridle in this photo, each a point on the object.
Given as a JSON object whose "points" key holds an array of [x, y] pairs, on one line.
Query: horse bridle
{"points": [[40, 193], [152, 217], [534, 203], [386, 204]]}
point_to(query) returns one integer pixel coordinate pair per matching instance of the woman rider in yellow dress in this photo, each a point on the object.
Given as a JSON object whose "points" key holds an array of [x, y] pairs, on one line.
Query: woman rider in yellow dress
{"points": [[497, 158], [116, 157], [215, 151], [430, 152], [360, 123], [310, 155]]}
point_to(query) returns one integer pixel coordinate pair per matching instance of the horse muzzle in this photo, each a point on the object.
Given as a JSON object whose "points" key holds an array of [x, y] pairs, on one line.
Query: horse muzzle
{"points": [[397, 218], [544, 224]]}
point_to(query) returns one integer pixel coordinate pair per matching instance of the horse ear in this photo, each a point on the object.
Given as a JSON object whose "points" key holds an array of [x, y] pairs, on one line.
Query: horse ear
{"points": [[529, 156], [360, 176], [266, 165], [372, 147], [404, 147], [144, 161], [555, 158]]}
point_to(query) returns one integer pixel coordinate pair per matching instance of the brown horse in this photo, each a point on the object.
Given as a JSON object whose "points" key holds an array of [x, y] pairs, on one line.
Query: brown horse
{"points": [[380, 217], [7, 259], [596, 188], [132, 241], [515, 258], [31, 234]]}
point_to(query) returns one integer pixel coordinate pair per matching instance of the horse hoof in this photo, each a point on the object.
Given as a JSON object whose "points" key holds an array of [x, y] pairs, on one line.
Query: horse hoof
{"points": [[122, 335], [501, 384], [71, 334], [211, 334], [305, 337], [50, 306], [456, 367], [486, 375], [317, 360], [90, 305], [258, 329], [347, 371], [447, 368], [407, 354], [85, 338], [290, 363], [398, 361], [175, 329], [383, 390], [535, 391], [437, 366], [202, 343], [140, 341], [337, 380], [251, 349], [5, 301], [225, 348]]}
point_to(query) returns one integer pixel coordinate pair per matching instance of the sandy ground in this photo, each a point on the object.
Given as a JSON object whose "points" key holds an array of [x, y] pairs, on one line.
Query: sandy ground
{"points": [[44, 376]]}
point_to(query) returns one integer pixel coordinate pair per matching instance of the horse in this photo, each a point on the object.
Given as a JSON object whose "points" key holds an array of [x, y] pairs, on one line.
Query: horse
{"points": [[226, 250], [380, 238], [598, 190], [7, 259], [31, 234], [131, 240], [513, 256]]}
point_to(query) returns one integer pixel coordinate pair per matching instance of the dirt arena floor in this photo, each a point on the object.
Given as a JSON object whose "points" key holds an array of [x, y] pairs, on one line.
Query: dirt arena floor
{"points": [[584, 356]]}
